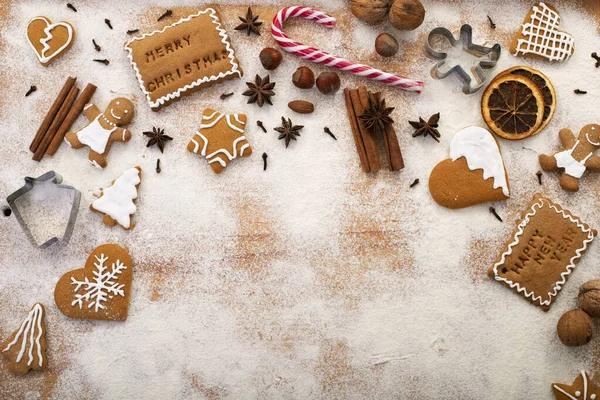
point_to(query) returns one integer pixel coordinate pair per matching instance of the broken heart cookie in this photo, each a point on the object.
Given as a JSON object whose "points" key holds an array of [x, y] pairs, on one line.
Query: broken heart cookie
{"points": [[542, 252], [25, 349], [49, 40], [116, 201], [473, 174], [220, 139], [577, 157], [539, 36], [101, 289], [582, 389], [193, 53]]}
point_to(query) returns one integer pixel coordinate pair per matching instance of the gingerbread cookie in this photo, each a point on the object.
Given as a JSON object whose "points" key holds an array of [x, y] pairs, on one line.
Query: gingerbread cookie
{"points": [[220, 139], [101, 289], [542, 252], [473, 174], [582, 389], [25, 349], [539, 36], [49, 40], [116, 202], [577, 158], [103, 129], [193, 53]]}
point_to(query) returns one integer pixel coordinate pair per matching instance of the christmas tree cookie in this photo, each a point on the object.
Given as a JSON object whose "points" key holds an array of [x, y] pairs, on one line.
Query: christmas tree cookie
{"points": [[116, 202], [25, 349]]}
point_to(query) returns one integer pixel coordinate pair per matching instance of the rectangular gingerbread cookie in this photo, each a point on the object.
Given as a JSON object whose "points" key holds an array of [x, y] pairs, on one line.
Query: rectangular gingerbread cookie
{"points": [[193, 53], [542, 252]]}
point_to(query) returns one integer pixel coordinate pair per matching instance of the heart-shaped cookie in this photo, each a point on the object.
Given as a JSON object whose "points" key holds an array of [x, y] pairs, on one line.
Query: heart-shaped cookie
{"points": [[49, 40], [540, 37], [100, 290], [473, 174]]}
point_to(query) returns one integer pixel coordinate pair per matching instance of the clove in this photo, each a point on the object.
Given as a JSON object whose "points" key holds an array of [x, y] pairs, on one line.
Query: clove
{"points": [[226, 95], [493, 211], [71, 7], [415, 183], [492, 24], [578, 91], [103, 61], [167, 13], [132, 31], [264, 157], [260, 124], [98, 48], [327, 131], [158, 166], [539, 176], [107, 22], [31, 90], [6, 211]]}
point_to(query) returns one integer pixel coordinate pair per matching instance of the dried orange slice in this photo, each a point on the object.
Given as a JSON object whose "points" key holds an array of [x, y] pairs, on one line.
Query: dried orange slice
{"points": [[513, 107], [543, 83]]}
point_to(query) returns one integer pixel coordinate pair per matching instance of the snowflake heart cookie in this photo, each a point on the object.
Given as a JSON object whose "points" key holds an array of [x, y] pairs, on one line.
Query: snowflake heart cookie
{"points": [[25, 349], [542, 252], [582, 389], [101, 289], [539, 36], [473, 174], [116, 201], [49, 40], [220, 139]]}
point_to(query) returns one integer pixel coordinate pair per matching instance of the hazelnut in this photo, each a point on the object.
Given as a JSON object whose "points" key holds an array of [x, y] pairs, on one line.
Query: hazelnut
{"points": [[589, 297], [371, 11], [386, 45], [328, 82], [270, 58], [303, 78], [575, 328], [407, 15]]}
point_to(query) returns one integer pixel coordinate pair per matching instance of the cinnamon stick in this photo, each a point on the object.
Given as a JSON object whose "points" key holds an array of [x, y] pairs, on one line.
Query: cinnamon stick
{"points": [[360, 101], [392, 147], [47, 121], [60, 116], [360, 146], [74, 112]]}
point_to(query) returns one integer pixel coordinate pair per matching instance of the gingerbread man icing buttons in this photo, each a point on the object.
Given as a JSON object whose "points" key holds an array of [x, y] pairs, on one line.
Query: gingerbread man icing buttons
{"points": [[25, 349], [49, 40], [103, 129], [220, 139], [582, 389], [577, 157]]}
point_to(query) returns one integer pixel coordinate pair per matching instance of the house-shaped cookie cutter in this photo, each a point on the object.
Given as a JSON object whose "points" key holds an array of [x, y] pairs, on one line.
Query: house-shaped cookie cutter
{"points": [[30, 183], [489, 56]]}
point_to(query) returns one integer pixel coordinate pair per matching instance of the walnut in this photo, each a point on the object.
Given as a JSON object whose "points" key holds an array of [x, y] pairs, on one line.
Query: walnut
{"points": [[589, 297], [407, 15], [371, 11], [575, 328]]}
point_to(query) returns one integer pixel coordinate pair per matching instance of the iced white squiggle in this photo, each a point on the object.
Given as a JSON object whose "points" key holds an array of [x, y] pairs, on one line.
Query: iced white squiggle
{"points": [[30, 332], [42, 56], [577, 394], [558, 285]]}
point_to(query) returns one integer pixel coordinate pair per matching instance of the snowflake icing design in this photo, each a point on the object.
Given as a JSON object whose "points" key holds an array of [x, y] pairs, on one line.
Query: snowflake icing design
{"points": [[103, 287]]}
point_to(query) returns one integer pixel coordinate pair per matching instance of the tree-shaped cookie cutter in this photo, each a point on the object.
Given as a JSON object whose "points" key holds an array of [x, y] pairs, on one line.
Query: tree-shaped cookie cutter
{"points": [[489, 55], [30, 183]]}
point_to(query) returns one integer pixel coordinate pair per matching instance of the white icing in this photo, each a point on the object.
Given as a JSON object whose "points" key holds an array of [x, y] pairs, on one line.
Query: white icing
{"points": [[587, 137], [235, 68], [113, 114], [572, 167], [558, 285], [30, 333], [117, 200], [481, 151], [543, 28], [103, 287], [87, 106], [577, 393], [42, 56], [95, 135]]}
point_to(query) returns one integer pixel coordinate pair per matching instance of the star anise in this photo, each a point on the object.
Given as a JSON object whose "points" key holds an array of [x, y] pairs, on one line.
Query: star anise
{"points": [[249, 24], [260, 91], [157, 137], [288, 131], [377, 116], [427, 128]]}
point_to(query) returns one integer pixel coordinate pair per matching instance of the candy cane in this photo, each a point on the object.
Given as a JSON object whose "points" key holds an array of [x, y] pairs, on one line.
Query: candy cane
{"points": [[321, 57]]}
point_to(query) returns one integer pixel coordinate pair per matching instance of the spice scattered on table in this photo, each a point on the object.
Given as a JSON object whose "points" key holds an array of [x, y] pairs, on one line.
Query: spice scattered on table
{"points": [[6, 211], [327, 131], [493, 211], [539, 176], [158, 166], [288, 131], [376, 116], [264, 157], [261, 126], [250, 24], [98, 48], [415, 183], [102, 61], [32, 89], [596, 57], [132, 31], [157, 137], [492, 24], [225, 95], [260, 91], [578, 91], [166, 14], [428, 128], [71, 7], [107, 22]]}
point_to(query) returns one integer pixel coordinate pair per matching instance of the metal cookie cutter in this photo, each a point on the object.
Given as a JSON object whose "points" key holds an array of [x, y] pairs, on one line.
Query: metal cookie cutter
{"points": [[73, 195], [489, 56]]}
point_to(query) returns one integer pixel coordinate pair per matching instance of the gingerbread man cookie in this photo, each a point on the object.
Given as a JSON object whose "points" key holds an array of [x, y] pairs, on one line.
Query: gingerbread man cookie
{"points": [[577, 158], [103, 129]]}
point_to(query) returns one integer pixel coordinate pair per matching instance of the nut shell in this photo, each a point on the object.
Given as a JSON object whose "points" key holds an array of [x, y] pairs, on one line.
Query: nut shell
{"points": [[371, 11], [386, 45], [589, 297], [328, 82], [270, 58], [407, 15], [303, 78], [301, 106], [575, 328]]}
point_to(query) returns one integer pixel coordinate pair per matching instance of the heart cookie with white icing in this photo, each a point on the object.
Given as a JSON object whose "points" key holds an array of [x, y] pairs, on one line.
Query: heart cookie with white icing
{"points": [[473, 174], [49, 40], [101, 289]]}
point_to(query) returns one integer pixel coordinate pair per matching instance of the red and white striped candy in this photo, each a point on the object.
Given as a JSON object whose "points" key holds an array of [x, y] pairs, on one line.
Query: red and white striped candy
{"points": [[321, 57]]}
